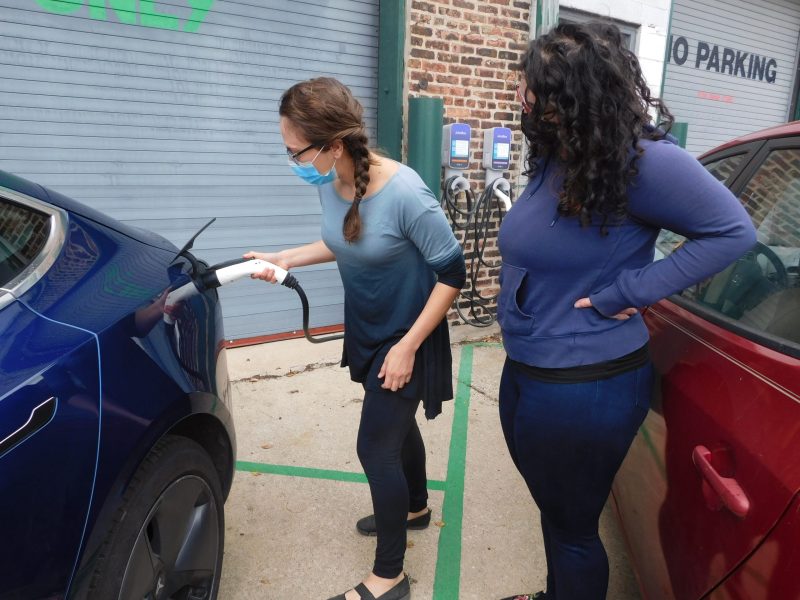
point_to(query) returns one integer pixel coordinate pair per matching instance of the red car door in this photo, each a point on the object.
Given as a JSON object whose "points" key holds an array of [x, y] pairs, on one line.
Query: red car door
{"points": [[714, 467]]}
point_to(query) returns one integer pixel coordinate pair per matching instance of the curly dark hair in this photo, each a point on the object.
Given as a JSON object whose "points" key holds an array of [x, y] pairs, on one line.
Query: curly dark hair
{"points": [[590, 111]]}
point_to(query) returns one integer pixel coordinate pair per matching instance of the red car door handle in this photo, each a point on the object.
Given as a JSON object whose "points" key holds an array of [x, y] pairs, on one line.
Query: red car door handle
{"points": [[727, 488]]}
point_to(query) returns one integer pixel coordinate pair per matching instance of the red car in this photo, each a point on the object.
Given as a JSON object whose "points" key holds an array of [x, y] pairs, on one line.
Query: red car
{"points": [[709, 495]]}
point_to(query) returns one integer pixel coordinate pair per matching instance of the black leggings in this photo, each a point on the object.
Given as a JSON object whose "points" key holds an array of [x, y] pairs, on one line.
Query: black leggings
{"points": [[392, 453]]}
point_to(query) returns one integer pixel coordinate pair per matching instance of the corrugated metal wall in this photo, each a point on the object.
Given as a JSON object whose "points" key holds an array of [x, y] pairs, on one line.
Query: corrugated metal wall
{"points": [[164, 116], [724, 96]]}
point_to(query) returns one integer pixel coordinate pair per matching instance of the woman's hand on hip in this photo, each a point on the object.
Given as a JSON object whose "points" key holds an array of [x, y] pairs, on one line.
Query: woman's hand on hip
{"points": [[622, 315], [397, 367], [270, 257]]}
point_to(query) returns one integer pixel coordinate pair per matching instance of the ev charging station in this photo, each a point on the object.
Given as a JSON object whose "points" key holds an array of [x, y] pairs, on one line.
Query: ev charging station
{"points": [[455, 155], [475, 219], [496, 159]]}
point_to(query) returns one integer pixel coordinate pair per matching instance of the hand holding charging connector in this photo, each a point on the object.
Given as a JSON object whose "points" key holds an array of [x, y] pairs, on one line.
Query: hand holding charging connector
{"points": [[269, 274], [222, 274], [228, 272]]}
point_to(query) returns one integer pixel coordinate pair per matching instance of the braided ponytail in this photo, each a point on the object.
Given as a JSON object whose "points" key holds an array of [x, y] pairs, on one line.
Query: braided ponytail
{"points": [[356, 145], [324, 110]]}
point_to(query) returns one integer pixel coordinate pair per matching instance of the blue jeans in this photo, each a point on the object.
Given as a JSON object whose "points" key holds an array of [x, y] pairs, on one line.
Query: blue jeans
{"points": [[568, 440]]}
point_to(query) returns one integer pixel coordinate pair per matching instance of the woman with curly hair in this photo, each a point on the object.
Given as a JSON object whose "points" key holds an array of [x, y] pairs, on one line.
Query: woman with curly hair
{"points": [[577, 250], [401, 268]]}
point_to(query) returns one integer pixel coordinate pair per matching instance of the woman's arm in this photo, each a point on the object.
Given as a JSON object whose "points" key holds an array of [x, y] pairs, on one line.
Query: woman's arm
{"points": [[674, 191], [423, 222], [399, 363], [310, 254]]}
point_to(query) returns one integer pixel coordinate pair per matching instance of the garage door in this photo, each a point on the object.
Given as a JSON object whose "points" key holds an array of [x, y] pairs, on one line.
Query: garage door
{"points": [[164, 115], [731, 68]]}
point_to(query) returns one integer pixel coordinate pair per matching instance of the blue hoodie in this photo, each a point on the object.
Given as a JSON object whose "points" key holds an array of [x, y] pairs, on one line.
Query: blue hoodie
{"points": [[549, 262]]}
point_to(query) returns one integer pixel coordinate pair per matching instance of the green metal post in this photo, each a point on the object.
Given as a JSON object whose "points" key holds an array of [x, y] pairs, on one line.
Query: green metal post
{"points": [[425, 116], [546, 16], [391, 50], [680, 131]]}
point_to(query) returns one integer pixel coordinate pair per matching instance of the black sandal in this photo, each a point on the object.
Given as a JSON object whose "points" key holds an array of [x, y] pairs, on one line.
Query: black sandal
{"points": [[366, 526], [401, 591]]}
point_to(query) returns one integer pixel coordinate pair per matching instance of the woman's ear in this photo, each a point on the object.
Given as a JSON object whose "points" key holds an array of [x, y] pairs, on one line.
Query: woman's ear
{"points": [[337, 147]]}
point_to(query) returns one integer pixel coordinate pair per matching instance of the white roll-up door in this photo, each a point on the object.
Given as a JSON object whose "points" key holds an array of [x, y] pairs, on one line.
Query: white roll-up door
{"points": [[164, 115], [731, 68]]}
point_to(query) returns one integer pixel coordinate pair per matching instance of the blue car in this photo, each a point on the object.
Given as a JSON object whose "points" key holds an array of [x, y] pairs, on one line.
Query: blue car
{"points": [[117, 444]]}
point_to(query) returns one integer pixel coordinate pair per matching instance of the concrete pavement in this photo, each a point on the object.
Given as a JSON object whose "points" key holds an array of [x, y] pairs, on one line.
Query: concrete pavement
{"points": [[299, 488]]}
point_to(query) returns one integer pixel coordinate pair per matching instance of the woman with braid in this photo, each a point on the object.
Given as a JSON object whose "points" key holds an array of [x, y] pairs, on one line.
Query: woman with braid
{"points": [[401, 268]]}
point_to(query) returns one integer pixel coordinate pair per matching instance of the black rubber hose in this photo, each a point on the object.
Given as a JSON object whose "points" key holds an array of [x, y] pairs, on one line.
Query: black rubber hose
{"points": [[291, 282], [474, 223]]}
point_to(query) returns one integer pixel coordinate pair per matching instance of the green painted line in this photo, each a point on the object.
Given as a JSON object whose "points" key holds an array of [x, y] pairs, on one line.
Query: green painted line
{"points": [[447, 582], [439, 486], [653, 450], [291, 471]]}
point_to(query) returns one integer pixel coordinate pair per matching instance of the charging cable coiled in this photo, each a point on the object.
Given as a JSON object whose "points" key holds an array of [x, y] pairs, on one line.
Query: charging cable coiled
{"points": [[474, 223]]}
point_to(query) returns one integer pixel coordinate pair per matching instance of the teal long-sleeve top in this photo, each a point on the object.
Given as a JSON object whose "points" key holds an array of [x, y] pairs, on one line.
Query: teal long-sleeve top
{"points": [[406, 246]]}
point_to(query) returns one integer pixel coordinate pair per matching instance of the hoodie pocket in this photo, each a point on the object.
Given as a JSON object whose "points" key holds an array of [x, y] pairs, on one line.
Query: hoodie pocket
{"points": [[510, 316]]}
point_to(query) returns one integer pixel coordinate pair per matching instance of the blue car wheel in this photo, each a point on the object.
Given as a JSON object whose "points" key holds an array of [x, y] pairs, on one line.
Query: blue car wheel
{"points": [[167, 540]]}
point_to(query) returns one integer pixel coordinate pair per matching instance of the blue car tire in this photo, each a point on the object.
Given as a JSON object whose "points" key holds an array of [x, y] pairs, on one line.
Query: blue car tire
{"points": [[168, 534]]}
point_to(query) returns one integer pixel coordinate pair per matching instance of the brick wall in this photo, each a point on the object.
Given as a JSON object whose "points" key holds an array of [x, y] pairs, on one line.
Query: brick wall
{"points": [[462, 51], [772, 198]]}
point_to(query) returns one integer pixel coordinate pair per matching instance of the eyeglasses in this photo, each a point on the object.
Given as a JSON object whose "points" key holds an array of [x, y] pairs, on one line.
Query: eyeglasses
{"points": [[294, 156], [526, 106]]}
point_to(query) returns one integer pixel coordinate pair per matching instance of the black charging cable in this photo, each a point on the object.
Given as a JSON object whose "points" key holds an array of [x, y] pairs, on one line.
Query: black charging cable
{"points": [[472, 220], [291, 282]]}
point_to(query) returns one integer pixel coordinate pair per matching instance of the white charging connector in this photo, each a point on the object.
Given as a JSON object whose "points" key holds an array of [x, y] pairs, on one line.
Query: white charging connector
{"points": [[219, 277], [501, 188], [226, 275]]}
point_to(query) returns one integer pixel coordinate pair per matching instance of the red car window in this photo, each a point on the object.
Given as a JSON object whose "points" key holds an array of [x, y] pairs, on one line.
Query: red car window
{"points": [[723, 168], [761, 290]]}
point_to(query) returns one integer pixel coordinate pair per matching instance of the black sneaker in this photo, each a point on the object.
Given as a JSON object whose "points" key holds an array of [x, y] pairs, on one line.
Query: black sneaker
{"points": [[366, 526]]}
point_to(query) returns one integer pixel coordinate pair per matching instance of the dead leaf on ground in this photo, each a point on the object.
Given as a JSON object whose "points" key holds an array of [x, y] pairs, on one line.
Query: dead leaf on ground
{"points": [[266, 446], [439, 524], [409, 544]]}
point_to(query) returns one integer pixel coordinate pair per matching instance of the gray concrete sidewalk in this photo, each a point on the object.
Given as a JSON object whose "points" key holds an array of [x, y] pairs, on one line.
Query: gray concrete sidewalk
{"points": [[291, 515]]}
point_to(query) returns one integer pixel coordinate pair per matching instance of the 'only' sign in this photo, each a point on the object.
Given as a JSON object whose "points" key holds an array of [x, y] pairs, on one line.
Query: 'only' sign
{"points": [[133, 12]]}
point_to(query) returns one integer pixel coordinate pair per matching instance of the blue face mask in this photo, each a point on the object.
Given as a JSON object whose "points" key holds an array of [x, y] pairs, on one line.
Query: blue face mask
{"points": [[308, 172]]}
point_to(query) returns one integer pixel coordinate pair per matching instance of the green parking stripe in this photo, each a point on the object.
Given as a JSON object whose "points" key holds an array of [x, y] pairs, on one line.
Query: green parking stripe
{"points": [[653, 451], [291, 471], [446, 585]]}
